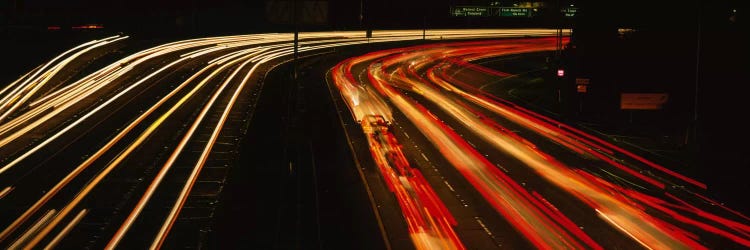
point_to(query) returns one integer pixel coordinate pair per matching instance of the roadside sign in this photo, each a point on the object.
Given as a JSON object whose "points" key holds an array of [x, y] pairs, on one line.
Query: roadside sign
{"points": [[643, 101], [580, 81], [515, 12], [582, 88], [569, 12], [497, 11], [470, 11]]}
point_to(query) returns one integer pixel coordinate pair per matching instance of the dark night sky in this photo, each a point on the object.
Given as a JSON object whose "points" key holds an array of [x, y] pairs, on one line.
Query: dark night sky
{"points": [[242, 16], [224, 15]]}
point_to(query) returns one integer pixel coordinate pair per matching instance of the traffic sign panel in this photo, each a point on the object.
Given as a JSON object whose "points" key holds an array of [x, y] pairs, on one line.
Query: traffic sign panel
{"points": [[470, 11], [515, 12]]}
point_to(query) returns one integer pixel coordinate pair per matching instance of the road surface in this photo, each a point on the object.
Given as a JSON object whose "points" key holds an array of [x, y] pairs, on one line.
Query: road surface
{"points": [[554, 185]]}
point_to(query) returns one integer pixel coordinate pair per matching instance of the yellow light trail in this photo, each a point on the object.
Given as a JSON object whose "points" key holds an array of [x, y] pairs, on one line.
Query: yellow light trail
{"points": [[51, 105], [125, 226], [114, 163]]}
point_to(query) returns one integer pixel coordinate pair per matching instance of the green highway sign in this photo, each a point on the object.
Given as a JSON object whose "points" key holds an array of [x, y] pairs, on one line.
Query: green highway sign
{"points": [[569, 12], [484, 11], [470, 11], [515, 12]]}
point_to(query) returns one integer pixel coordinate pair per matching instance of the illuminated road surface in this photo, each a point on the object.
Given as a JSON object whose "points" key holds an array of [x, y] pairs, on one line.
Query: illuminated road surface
{"points": [[139, 116], [430, 223], [651, 205]]}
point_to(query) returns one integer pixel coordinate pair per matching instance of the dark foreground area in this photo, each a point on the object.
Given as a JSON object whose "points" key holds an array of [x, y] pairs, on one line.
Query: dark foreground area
{"points": [[295, 184]]}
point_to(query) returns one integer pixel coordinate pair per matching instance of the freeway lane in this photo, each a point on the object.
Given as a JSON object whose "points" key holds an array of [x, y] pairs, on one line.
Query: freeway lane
{"points": [[624, 194], [124, 115], [50, 75], [141, 148]]}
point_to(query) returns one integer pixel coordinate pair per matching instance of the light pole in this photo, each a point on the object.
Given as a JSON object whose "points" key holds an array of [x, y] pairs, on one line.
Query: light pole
{"points": [[558, 14], [697, 77], [361, 11], [424, 27], [296, 37], [362, 23]]}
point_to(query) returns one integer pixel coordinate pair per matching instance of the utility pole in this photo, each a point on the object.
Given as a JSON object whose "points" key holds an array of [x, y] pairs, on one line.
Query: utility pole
{"points": [[559, 19], [193, 24], [363, 22], [362, 18], [424, 27], [296, 37], [424, 21], [697, 78]]}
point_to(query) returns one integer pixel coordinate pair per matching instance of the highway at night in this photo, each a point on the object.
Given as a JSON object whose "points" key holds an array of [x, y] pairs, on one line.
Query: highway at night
{"points": [[143, 146], [549, 183], [374, 125]]}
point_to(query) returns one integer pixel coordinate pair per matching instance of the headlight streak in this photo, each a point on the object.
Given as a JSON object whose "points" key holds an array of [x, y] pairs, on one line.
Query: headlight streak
{"points": [[565, 134], [33, 229], [180, 201], [90, 160], [5, 191], [13, 84], [51, 105], [114, 163], [87, 87], [31, 85], [163, 171], [64, 232], [428, 220], [41, 69], [76, 122], [505, 195], [547, 167], [620, 207]]}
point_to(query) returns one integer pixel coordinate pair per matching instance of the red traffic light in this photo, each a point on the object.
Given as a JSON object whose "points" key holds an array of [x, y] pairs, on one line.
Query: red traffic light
{"points": [[560, 72]]}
